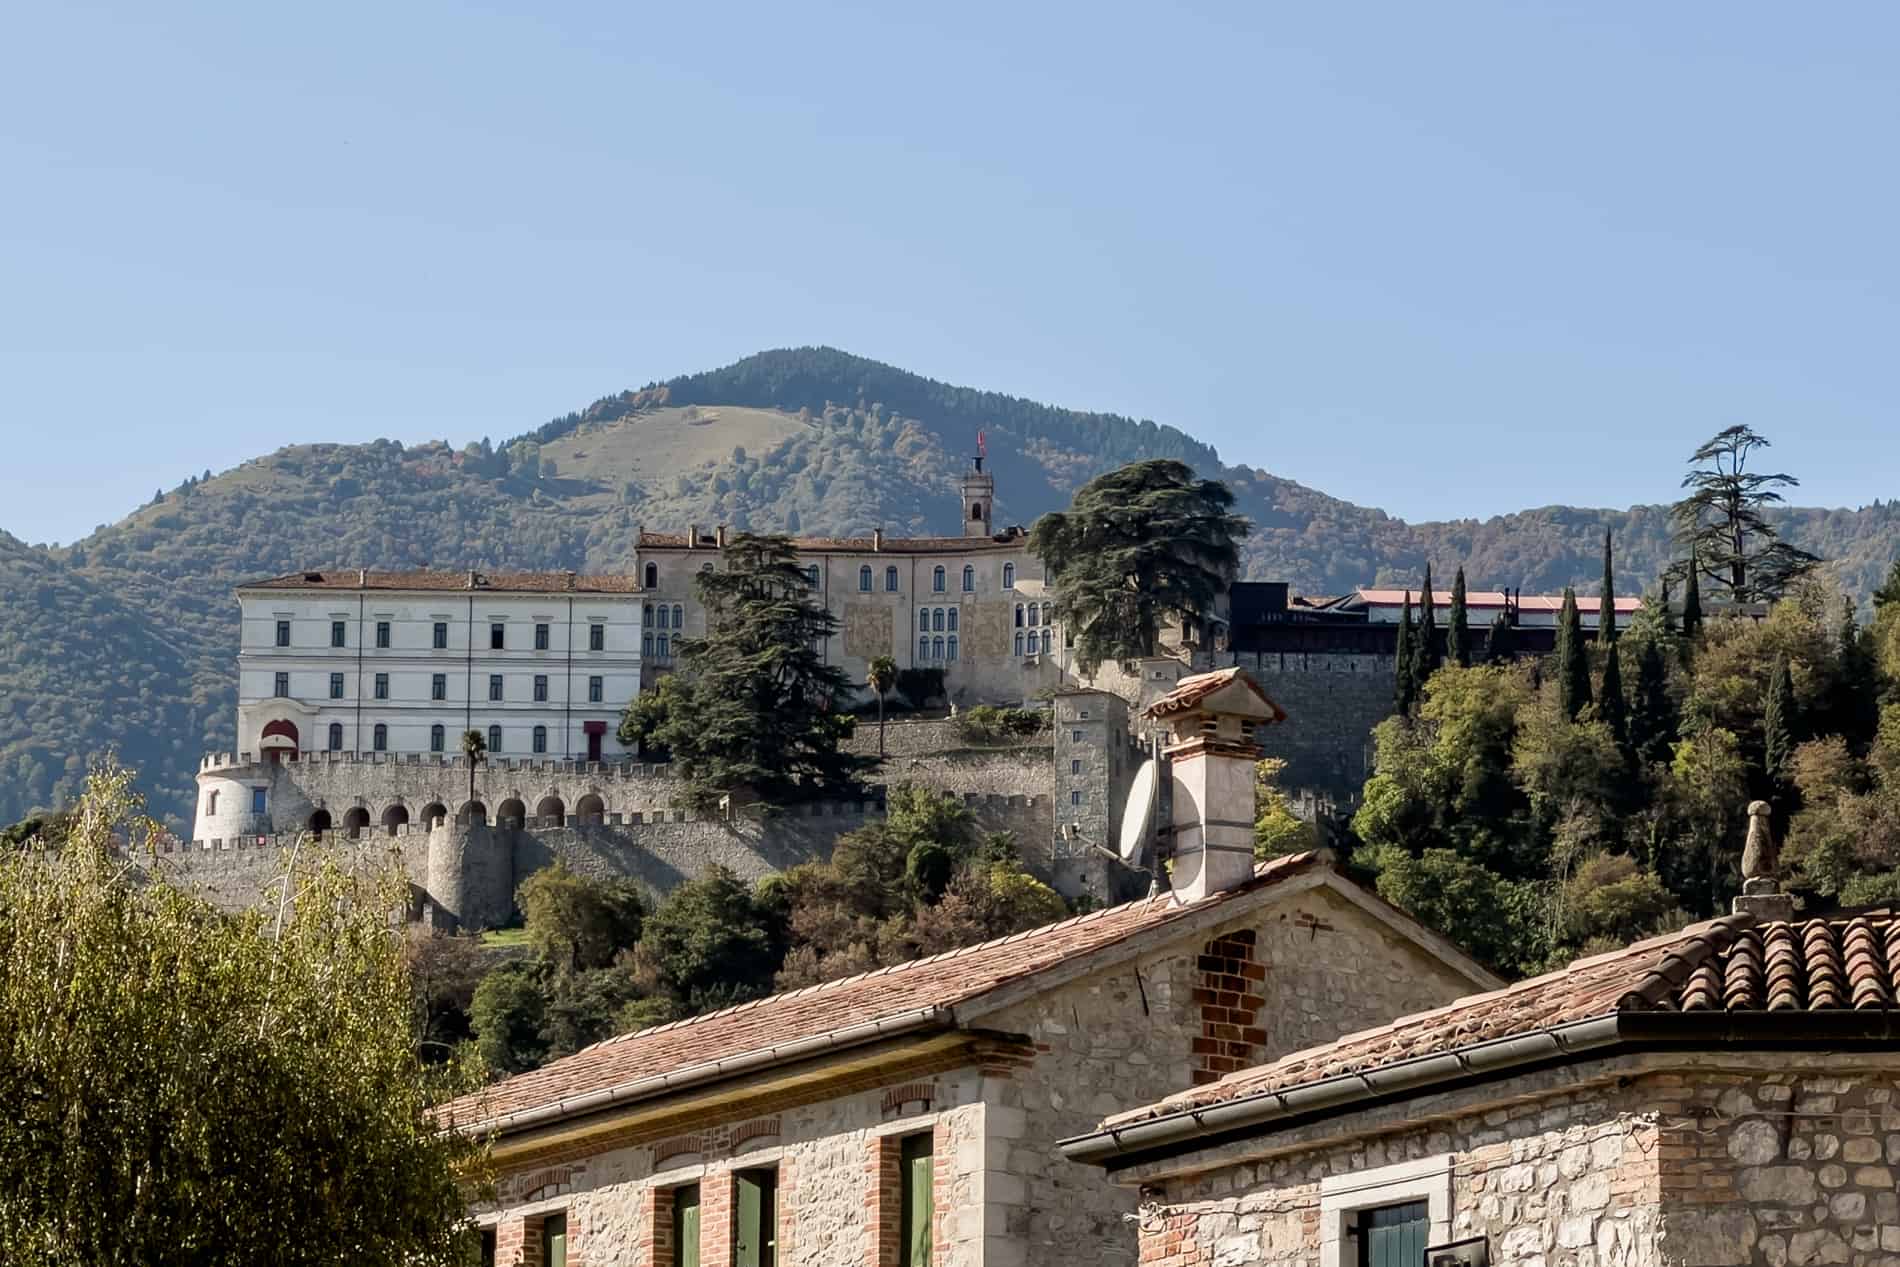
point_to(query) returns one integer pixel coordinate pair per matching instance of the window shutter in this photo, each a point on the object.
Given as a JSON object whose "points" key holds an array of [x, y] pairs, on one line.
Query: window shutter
{"points": [[1394, 1235], [686, 1226], [755, 1244], [917, 1172]]}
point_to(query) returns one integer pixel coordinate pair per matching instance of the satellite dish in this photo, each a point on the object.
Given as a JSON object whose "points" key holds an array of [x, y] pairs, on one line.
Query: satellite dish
{"points": [[1138, 816]]}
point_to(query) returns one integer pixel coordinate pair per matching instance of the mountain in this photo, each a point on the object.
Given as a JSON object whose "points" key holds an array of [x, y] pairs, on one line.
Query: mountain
{"points": [[128, 638]]}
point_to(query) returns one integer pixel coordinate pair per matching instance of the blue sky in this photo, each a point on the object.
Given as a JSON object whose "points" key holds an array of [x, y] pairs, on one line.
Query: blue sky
{"points": [[1445, 259]]}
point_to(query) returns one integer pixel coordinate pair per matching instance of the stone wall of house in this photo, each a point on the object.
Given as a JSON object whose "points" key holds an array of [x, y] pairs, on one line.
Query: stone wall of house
{"points": [[1135, 1033], [835, 1163], [1634, 1165]]}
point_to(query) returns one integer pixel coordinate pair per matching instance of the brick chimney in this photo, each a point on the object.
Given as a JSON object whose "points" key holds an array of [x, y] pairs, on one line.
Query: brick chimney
{"points": [[1211, 720]]}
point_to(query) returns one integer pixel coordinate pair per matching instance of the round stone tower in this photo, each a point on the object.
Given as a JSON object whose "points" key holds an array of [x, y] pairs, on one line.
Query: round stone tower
{"points": [[471, 872]]}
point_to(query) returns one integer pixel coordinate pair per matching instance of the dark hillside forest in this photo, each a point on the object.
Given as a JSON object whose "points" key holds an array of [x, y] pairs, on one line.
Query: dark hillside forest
{"points": [[127, 638]]}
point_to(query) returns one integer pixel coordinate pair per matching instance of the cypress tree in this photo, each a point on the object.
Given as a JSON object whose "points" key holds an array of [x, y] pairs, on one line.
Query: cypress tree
{"points": [[1856, 702], [1692, 604], [1405, 692], [1501, 642], [1458, 627], [1778, 726], [1425, 647], [1668, 621], [1573, 665], [1652, 720], [1606, 617], [1612, 710]]}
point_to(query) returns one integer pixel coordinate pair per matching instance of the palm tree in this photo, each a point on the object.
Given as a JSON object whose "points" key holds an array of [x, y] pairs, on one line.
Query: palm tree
{"points": [[475, 748], [880, 677]]}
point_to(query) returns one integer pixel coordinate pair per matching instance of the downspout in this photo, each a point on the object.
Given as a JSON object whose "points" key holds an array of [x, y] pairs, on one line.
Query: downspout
{"points": [[362, 583], [567, 715], [468, 674]]}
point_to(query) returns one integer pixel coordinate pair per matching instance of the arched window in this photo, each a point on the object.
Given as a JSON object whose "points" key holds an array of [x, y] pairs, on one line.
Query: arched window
{"points": [[953, 646], [1009, 576], [969, 579], [664, 648], [679, 616], [379, 738], [646, 614], [953, 623], [936, 620], [936, 648], [923, 620], [438, 738], [1045, 642], [1019, 642], [936, 581], [923, 648], [652, 576], [540, 738], [1033, 614], [494, 738], [646, 644], [890, 580], [864, 579], [1019, 615], [336, 736]]}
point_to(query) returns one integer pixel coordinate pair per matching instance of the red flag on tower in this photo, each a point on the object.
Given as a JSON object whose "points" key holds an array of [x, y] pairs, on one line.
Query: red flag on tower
{"points": [[980, 449]]}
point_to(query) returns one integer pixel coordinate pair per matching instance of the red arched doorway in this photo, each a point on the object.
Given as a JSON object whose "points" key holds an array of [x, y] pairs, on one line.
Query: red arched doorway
{"points": [[279, 737]]}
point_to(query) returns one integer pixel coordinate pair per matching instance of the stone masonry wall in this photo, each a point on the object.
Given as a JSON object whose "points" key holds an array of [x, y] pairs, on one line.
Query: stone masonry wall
{"points": [[1129, 1035], [1332, 702], [1634, 1166]]}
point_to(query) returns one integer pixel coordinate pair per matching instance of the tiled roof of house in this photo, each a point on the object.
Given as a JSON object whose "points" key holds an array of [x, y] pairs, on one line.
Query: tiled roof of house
{"points": [[945, 980], [1733, 964], [1190, 691], [1008, 539], [424, 579]]}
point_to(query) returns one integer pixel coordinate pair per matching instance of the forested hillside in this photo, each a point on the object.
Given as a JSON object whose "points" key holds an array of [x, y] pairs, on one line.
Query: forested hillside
{"points": [[127, 639]]}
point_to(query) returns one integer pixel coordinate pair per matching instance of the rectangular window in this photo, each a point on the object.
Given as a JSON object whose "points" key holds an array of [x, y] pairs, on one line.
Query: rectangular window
{"points": [[439, 686], [260, 797], [382, 641], [339, 634], [1394, 1235], [497, 636], [336, 686], [915, 1172], [1075, 798], [540, 688], [686, 1226], [280, 685], [554, 1240], [381, 686], [596, 689], [494, 686], [485, 1253], [596, 637], [1075, 736], [1075, 765], [283, 633], [755, 1224], [540, 637], [441, 635]]}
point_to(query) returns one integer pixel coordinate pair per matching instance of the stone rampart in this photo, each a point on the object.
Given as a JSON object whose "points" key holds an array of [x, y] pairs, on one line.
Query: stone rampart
{"points": [[1332, 702]]}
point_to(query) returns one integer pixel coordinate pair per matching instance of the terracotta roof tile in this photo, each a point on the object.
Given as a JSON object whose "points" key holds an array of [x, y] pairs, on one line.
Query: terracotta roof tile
{"points": [[944, 980], [1008, 539], [425, 579], [1190, 691], [1732, 964]]}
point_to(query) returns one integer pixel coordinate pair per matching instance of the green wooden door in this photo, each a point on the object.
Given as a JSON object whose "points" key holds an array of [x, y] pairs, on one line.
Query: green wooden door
{"points": [[755, 1233], [686, 1226], [917, 1171], [1394, 1235]]}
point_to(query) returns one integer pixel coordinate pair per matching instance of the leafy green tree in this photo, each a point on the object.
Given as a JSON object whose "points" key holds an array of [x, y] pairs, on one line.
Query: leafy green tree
{"points": [[185, 1086], [474, 752], [508, 1013], [1425, 644], [1500, 643], [1854, 709], [1778, 726], [1724, 525], [754, 709], [1458, 624], [1573, 662], [1405, 664], [1277, 831], [1500, 921], [576, 923], [1606, 618], [707, 941], [881, 676], [1652, 717], [1136, 546]]}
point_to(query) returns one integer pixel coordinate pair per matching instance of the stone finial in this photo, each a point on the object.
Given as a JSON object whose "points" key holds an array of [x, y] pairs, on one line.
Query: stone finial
{"points": [[1761, 865]]}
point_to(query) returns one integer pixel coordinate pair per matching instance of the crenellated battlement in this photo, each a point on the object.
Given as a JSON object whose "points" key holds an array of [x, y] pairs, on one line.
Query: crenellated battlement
{"points": [[619, 771]]}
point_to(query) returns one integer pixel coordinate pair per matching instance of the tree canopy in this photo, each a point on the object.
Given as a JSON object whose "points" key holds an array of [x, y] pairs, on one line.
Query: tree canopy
{"points": [[1723, 526], [1137, 546]]}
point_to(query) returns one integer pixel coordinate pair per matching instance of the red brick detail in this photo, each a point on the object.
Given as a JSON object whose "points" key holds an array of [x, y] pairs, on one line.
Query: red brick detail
{"points": [[678, 1146], [897, 1097], [656, 1242], [715, 1219], [757, 1128], [883, 1200], [510, 1236], [1230, 991]]}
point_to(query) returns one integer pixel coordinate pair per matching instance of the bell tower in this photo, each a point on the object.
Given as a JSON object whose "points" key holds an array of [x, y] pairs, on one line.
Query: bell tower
{"points": [[978, 487]]}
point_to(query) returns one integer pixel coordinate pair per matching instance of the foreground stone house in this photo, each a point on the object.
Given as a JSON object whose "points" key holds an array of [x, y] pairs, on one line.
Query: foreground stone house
{"points": [[911, 1116], [1725, 1095]]}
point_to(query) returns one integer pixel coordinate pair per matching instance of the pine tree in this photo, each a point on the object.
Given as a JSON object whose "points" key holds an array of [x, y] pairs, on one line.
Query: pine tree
{"points": [[1724, 520], [1652, 718], [1612, 709], [1778, 726], [1425, 647], [1458, 626], [1573, 663], [1404, 668], [1501, 643], [1606, 618]]}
